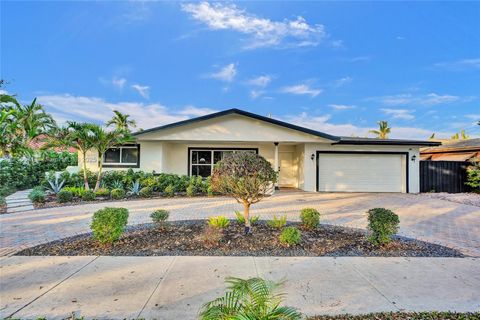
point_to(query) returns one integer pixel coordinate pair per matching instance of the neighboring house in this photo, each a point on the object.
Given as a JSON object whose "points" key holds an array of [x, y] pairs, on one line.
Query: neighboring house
{"points": [[456, 150], [306, 159], [38, 142]]}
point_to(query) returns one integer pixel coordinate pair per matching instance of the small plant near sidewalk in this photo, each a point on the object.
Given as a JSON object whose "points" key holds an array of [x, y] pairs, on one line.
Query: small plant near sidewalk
{"points": [[146, 192], [64, 196], [135, 188], [76, 191], [278, 222], [253, 298], [55, 185], [290, 236], [117, 194], [383, 224], [169, 191], [102, 192], [241, 219], [88, 195], [218, 222], [310, 218], [160, 217], [37, 195], [473, 175], [191, 190], [108, 224]]}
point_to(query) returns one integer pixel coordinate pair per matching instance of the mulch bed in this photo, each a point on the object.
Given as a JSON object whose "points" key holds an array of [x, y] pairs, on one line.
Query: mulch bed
{"points": [[3, 208], [192, 238], [404, 316]]}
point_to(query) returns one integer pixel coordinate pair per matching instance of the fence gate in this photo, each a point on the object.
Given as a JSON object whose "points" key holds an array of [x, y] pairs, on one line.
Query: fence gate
{"points": [[443, 176]]}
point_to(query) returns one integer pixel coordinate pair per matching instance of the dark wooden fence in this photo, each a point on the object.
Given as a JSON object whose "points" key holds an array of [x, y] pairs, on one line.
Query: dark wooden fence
{"points": [[443, 176]]}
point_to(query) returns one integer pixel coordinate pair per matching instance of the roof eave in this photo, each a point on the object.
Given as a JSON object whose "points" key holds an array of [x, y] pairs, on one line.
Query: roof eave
{"points": [[388, 142]]}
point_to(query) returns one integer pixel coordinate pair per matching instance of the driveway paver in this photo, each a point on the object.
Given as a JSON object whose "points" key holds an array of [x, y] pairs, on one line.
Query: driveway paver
{"points": [[177, 287], [444, 222]]}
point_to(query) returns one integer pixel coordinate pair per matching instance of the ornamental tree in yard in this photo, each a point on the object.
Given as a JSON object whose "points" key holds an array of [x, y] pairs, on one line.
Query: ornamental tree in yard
{"points": [[246, 177]]}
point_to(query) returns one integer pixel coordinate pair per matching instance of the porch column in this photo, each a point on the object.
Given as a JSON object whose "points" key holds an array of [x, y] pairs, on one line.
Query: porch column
{"points": [[275, 165]]}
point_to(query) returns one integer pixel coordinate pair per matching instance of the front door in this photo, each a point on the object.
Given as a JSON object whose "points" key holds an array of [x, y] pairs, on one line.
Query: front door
{"points": [[287, 176]]}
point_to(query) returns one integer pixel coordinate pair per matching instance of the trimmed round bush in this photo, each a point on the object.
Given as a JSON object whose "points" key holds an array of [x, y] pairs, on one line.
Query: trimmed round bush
{"points": [[146, 192], [383, 224], [37, 195], [108, 224], [102, 192], [169, 190], [290, 236], [88, 195], [160, 216], [310, 218], [64, 196], [117, 194]]}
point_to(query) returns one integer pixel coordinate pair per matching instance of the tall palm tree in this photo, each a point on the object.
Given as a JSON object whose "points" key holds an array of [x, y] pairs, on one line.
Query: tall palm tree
{"points": [[103, 140], [383, 130], [121, 121], [253, 298], [34, 121]]}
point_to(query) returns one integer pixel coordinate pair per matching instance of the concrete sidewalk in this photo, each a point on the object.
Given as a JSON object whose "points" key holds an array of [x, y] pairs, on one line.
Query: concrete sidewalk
{"points": [[176, 287]]}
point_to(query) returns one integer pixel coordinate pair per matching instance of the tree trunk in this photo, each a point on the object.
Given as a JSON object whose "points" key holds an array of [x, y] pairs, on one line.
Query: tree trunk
{"points": [[246, 215], [99, 176], [85, 177]]}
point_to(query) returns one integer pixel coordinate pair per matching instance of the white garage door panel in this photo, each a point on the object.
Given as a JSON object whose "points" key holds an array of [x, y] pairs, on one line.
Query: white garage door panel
{"points": [[361, 172]]}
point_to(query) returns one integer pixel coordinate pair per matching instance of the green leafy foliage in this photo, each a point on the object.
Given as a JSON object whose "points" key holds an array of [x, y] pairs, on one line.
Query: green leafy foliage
{"points": [[191, 191], [473, 175], [160, 217], [37, 195], [76, 191], [169, 191], [146, 192], [218, 222], [117, 194], [241, 219], [108, 224], [278, 222], [290, 236], [88, 195], [64, 196], [310, 218], [383, 224], [102, 192], [253, 299]]}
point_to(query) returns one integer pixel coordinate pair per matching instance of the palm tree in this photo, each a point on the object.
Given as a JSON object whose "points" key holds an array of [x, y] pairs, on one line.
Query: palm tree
{"points": [[383, 130], [253, 298], [432, 136], [103, 140], [460, 136], [34, 121], [121, 121]]}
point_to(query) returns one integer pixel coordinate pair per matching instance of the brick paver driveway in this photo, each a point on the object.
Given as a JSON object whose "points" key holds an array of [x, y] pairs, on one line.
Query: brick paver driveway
{"points": [[440, 221]]}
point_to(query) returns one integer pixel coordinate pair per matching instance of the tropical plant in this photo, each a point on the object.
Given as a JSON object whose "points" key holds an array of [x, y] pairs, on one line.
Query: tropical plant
{"points": [[117, 184], [310, 218], [146, 192], [460, 136], [108, 224], [278, 222], [160, 217], [253, 299], [290, 236], [218, 222], [245, 176], [88, 195], [117, 194], [383, 130], [135, 188], [55, 184], [169, 191], [241, 219], [383, 224], [64, 196], [102, 192], [37, 195], [121, 121], [473, 175]]}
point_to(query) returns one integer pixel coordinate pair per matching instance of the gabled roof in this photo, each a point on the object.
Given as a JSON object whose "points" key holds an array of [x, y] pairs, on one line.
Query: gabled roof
{"points": [[334, 139], [246, 114]]}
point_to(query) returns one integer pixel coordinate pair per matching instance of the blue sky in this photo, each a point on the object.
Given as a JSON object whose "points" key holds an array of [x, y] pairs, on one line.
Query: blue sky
{"points": [[337, 67]]}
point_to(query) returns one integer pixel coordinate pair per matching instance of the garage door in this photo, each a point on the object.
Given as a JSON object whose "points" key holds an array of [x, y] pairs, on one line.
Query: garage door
{"points": [[350, 172]]}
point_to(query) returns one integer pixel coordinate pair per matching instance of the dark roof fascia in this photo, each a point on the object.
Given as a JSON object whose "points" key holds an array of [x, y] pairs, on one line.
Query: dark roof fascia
{"points": [[389, 142], [450, 150], [243, 113]]}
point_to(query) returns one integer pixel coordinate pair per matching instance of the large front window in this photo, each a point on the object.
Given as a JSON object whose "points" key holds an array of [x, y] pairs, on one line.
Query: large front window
{"points": [[122, 156], [202, 160]]}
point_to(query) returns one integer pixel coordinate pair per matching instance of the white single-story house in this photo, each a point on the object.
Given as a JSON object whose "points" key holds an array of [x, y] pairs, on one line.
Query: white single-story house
{"points": [[304, 158]]}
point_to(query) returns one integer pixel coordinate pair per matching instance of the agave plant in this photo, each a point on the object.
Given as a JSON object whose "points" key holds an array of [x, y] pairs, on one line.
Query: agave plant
{"points": [[253, 298], [117, 184], [135, 188], [55, 185]]}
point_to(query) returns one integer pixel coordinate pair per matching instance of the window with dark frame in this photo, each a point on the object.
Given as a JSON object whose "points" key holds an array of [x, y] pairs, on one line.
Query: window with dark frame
{"points": [[203, 160], [122, 156]]}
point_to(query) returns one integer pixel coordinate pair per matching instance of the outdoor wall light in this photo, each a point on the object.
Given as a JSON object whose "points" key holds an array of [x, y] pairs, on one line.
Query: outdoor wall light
{"points": [[414, 157], [312, 156]]}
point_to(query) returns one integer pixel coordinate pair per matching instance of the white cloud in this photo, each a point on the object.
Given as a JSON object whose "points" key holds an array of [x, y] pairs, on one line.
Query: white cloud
{"points": [[119, 83], [403, 114], [66, 107], [430, 99], [343, 81], [260, 81], [473, 116], [463, 64], [144, 91], [254, 94], [341, 106], [360, 59], [226, 74], [302, 89], [263, 32]]}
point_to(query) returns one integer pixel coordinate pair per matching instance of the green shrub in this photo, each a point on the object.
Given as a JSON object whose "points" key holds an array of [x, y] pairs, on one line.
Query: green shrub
{"points": [[88, 195], [76, 191], [218, 222], [210, 191], [64, 196], [160, 216], [37, 195], [108, 224], [383, 224], [241, 219], [278, 222], [310, 218], [102, 192], [6, 191], [117, 194], [169, 191], [146, 192], [290, 236], [473, 175], [2, 201], [191, 190]]}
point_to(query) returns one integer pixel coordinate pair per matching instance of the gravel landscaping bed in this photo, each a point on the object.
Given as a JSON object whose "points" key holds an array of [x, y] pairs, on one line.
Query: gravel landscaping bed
{"points": [[189, 238], [404, 316], [472, 198]]}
